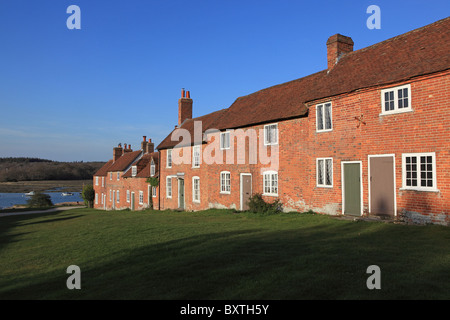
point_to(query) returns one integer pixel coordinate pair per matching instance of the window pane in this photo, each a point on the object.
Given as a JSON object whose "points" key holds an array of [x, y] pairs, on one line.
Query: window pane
{"points": [[274, 134], [329, 172], [319, 118], [328, 116], [320, 172]]}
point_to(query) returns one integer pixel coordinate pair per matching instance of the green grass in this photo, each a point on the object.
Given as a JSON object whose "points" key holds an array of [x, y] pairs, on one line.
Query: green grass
{"points": [[218, 254]]}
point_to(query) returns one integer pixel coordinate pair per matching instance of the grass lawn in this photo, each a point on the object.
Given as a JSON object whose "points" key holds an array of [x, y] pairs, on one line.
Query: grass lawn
{"points": [[218, 254]]}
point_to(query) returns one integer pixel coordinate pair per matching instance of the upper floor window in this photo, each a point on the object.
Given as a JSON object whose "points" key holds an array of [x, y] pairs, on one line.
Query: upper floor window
{"points": [[96, 181], [225, 182], [196, 156], [395, 100], [224, 140], [419, 171], [110, 176], [323, 116], [118, 175], [133, 171], [270, 134], [169, 158], [103, 181], [270, 183]]}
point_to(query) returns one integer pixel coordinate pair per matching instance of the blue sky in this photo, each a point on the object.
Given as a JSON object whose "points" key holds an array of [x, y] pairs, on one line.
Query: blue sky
{"points": [[72, 95]]}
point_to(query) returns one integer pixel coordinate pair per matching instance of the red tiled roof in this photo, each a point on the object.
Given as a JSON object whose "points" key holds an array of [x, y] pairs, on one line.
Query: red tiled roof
{"points": [[206, 121], [104, 169], [124, 161], [419, 52], [143, 166]]}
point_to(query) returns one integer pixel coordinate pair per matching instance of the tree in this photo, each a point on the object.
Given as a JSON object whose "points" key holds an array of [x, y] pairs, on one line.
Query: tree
{"points": [[39, 200], [88, 195], [154, 182]]}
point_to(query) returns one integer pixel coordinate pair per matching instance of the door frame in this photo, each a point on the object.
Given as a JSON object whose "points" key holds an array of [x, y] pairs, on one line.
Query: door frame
{"points": [[395, 183], [240, 187], [133, 201], [360, 185]]}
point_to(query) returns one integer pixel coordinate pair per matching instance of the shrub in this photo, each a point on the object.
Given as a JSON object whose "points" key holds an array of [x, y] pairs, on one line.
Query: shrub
{"points": [[88, 195], [39, 200], [258, 205]]}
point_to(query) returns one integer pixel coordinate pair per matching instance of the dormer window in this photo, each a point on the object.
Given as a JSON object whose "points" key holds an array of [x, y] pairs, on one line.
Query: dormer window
{"points": [[152, 169], [133, 171]]}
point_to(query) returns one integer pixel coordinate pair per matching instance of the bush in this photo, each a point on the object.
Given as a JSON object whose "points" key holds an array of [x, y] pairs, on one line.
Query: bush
{"points": [[88, 195], [258, 205], [39, 200]]}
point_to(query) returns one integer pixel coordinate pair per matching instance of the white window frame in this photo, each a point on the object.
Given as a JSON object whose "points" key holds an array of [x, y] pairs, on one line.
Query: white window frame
{"points": [[419, 171], [96, 198], [152, 170], [168, 187], [324, 184], [154, 191], [223, 135], [141, 197], [169, 158], [118, 176], [268, 176], [196, 156], [102, 202], [133, 171], [103, 181], [195, 192], [110, 176], [96, 181], [396, 108], [110, 195], [128, 196], [117, 196], [323, 106], [225, 188], [268, 127]]}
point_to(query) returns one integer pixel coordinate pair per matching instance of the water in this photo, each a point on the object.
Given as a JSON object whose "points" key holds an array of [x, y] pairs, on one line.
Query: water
{"points": [[10, 199]]}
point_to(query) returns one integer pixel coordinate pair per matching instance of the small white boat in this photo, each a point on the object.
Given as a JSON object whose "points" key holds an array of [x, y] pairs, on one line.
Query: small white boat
{"points": [[31, 193], [67, 194]]}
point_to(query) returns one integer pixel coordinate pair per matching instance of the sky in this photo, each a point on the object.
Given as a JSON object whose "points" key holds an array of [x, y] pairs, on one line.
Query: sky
{"points": [[74, 94]]}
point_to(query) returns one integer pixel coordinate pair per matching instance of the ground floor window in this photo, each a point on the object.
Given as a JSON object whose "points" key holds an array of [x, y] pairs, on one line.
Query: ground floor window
{"points": [[225, 182], [324, 172], [141, 197], [96, 198], [128, 195], [169, 187], [154, 192], [196, 189], [419, 171], [270, 182]]}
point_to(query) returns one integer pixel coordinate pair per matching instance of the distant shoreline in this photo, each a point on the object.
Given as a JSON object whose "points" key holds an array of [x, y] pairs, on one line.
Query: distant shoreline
{"points": [[45, 185]]}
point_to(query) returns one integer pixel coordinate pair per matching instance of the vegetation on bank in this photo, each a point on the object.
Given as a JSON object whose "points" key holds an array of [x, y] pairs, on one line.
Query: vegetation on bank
{"points": [[218, 254], [34, 169]]}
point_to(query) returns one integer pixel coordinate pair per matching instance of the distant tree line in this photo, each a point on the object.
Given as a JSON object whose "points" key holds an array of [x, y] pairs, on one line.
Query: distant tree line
{"points": [[35, 169]]}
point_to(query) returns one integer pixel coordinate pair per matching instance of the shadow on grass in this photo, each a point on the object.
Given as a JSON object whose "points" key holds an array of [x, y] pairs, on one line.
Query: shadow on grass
{"points": [[324, 261]]}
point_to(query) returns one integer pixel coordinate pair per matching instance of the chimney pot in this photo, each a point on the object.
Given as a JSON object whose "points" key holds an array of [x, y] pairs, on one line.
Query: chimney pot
{"points": [[188, 94], [145, 138], [182, 93]]}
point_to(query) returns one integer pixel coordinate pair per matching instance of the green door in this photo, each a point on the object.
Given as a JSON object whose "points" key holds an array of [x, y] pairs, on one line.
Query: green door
{"points": [[352, 189], [181, 193]]}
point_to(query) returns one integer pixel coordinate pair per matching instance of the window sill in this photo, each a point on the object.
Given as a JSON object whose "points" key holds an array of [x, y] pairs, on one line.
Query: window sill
{"points": [[420, 190], [323, 186], [395, 112], [324, 130], [225, 192], [270, 194]]}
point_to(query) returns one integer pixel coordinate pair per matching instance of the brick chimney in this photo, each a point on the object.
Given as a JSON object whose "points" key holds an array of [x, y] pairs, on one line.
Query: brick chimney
{"points": [[337, 46], [117, 152], [184, 107], [144, 144], [150, 146]]}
